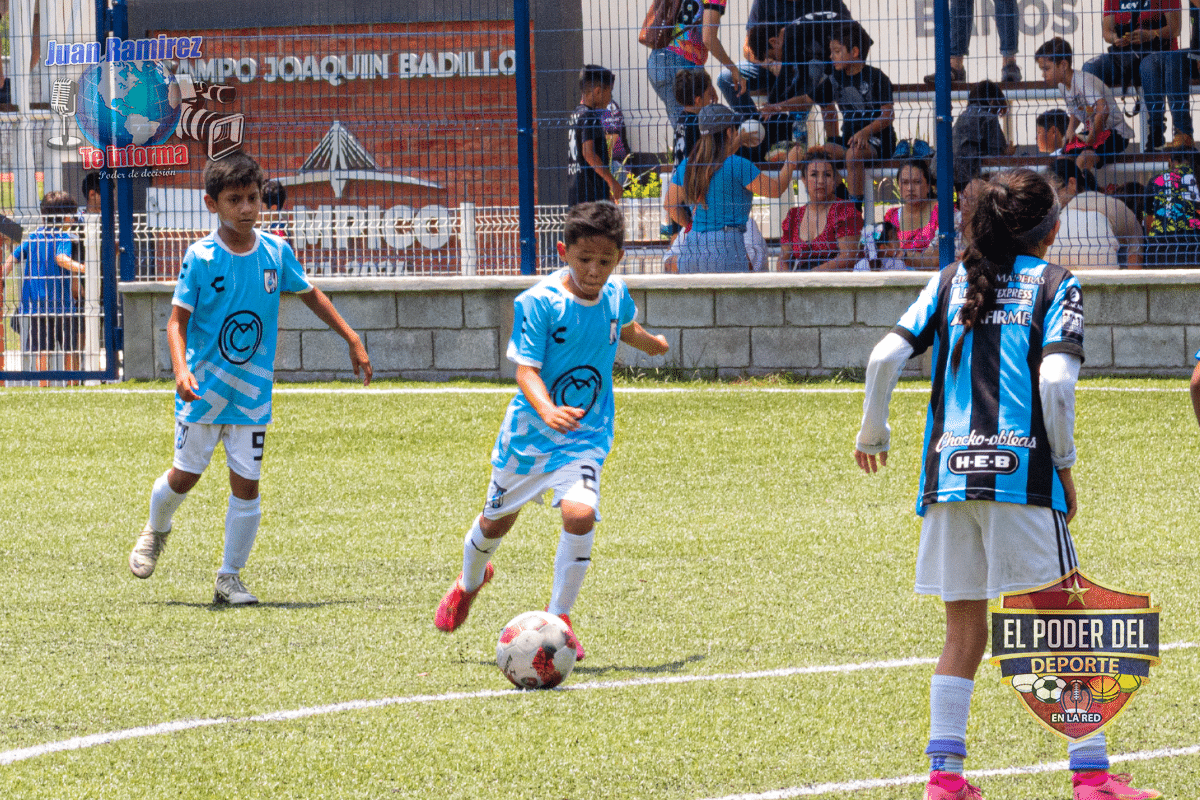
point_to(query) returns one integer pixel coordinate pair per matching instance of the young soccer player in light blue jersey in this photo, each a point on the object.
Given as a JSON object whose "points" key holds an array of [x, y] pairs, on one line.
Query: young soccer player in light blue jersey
{"points": [[222, 333], [559, 428], [1005, 329]]}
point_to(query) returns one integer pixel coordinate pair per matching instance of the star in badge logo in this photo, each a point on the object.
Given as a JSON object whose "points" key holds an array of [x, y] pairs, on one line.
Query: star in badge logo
{"points": [[1077, 592]]}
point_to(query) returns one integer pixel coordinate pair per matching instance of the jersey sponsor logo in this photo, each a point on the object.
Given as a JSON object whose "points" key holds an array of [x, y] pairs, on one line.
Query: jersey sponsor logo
{"points": [[1074, 651], [270, 280], [1014, 294], [218, 283], [578, 387], [241, 333], [1004, 438], [983, 462]]}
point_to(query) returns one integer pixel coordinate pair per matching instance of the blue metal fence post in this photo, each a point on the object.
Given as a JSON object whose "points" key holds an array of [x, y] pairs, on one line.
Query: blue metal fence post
{"points": [[108, 238], [126, 254], [525, 162], [945, 155]]}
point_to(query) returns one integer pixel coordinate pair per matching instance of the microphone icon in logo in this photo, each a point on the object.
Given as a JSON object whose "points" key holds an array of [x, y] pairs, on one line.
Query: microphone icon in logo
{"points": [[64, 98]]}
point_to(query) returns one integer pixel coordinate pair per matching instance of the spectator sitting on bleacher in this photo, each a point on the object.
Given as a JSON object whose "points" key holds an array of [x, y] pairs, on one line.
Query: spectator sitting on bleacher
{"points": [[863, 95], [977, 132], [1089, 102], [1097, 230], [823, 234], [917, 217], [1133, 30], [1052, 131], [1172, 214]]}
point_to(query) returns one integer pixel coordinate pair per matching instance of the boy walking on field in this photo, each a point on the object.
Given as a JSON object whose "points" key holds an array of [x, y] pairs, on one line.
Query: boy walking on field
{"points": [[559, 428], [222, 332]]}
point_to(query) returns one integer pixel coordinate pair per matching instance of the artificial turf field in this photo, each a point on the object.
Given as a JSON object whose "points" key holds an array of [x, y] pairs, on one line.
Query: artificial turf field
{"points": [[749, 618]]}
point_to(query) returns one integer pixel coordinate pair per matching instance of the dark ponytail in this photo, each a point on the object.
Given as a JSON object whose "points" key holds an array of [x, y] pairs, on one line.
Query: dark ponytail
{"points": [[1013, 214]]}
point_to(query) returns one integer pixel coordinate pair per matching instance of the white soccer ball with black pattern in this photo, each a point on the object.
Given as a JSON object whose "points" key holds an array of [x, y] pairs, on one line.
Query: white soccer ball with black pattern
{"points": [[1048, 688], [536, 650]]}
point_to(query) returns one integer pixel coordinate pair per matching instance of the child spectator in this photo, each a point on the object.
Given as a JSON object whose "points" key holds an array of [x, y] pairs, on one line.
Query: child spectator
{"points": [[693, 91], [222, 333], [863, 95], [1052, 131], [977, 132], [615, 135], [273, 198], [884, 251], [47, 318], [1172, 213], [1090, 103], [590, 177], [558, 429], [91, 193]]}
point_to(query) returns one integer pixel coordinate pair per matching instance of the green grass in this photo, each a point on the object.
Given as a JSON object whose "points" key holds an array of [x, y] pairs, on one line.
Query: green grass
{"points": [[737, 537]]}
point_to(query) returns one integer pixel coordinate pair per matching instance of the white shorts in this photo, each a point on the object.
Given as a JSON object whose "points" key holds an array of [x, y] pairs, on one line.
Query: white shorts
{"points": [[195, 442], [980, 549], [578, 482]]}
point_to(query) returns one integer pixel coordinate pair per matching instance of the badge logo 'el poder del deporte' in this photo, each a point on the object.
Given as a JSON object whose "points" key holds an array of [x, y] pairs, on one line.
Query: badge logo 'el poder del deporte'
{"points": [[1074, 651]]}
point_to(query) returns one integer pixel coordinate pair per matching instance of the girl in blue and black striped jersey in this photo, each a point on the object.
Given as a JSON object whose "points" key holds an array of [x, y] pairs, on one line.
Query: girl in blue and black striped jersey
{"points": [[1005, 331]]}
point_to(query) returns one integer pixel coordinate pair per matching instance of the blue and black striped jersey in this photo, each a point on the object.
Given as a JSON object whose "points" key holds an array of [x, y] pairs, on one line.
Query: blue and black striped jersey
{"points": [[985, 438]]}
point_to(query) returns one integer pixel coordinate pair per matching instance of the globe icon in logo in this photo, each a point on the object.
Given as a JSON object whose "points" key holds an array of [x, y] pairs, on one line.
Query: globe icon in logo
{"points": [[128, 102]]}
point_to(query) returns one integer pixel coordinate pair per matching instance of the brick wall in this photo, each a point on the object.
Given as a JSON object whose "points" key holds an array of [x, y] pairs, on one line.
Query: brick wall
{"points": [[442, 328]]}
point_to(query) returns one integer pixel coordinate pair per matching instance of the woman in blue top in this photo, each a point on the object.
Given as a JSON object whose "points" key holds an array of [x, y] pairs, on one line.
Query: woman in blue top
{"points": [[711, 190]]}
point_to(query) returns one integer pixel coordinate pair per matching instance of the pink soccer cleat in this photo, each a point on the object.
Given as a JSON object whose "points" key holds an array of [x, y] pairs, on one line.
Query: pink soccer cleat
{"points": [[578, 644], [1106, 786], [950, 786], [456, 604]]}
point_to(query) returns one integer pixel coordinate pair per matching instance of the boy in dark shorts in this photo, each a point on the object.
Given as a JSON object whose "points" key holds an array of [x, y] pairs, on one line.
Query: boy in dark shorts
{"points": [[591, 179]]}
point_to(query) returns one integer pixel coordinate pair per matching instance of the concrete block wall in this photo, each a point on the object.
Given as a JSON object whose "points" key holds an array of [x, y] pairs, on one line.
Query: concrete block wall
{"points": [[1138, 322]]}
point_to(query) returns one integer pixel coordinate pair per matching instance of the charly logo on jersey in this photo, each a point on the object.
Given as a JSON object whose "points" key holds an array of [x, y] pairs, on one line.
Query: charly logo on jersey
{"points": [[1074, 651], [270, 280], [578, 387], [241, 333]]}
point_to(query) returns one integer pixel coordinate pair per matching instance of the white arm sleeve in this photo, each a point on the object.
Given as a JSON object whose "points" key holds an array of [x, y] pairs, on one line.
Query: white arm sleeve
{"points": [[1056, 381], [883, 372]]}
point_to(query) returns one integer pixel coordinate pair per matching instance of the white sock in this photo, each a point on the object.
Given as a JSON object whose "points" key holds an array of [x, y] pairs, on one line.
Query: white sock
{"points": [[477, 552], [164, 502], [949, 705], [571, 563], [241, 526]]}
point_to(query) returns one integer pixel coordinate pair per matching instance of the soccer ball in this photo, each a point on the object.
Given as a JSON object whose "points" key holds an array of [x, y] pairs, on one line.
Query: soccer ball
{"points": [[753, 132], [1023, 683], [535, 650], [1048, 688]]}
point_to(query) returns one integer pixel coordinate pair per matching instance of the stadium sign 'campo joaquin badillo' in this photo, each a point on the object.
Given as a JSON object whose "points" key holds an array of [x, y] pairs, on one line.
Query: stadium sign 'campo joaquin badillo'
{"points": [[1075, 652]]}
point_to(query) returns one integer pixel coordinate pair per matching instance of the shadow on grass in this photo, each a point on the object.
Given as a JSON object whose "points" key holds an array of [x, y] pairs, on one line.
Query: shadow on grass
{"points": [[210, 606], [619, 669]]}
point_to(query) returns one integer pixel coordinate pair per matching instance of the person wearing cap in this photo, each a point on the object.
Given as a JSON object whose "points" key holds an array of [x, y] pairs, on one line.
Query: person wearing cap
{"points": [[711, 190]]}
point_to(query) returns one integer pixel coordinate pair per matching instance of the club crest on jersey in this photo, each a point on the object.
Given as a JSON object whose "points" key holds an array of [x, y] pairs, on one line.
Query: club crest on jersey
{"points": [[1075, 652], [270, 280], [578, 387]]}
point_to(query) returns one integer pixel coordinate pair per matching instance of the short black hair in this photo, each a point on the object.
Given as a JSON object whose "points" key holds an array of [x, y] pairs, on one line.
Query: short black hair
{"points": [[759, 39], [593, 75], [601, 218], [690, 85], [273, 193], [987, 94], [91, 183], [850, 34], [234, 170], [59, 204], [1065, 169], [1057, 49], [1054, 118]]}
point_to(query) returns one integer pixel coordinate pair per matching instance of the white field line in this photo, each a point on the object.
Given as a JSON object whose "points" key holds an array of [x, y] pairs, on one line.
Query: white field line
{"points": [[97, 739], [84, 391]]}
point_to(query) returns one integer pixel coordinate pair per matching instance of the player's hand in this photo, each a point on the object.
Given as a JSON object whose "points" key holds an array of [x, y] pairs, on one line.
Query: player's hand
{"points": [[186, 386], [870, 464], [1068, 483], [361, 361], [563, 419], [656, 345]]}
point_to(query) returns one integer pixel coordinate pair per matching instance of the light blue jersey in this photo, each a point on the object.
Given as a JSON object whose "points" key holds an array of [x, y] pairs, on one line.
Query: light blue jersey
{"points": [[234, 300], [573, 343]]}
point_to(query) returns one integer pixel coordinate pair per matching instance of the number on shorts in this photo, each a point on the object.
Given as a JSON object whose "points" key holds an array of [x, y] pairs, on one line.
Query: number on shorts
{"points": [[257, 440], [589, 477]]}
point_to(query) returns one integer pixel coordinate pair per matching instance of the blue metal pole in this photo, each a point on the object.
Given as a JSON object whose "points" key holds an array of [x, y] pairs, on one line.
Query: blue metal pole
{"points": [[525, 162], [108, 239], [944, 127], [120, 29]]}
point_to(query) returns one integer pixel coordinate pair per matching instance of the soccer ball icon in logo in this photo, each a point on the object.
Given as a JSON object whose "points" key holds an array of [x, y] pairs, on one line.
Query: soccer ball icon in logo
{"points": [[1048, 688], [535, 651]]}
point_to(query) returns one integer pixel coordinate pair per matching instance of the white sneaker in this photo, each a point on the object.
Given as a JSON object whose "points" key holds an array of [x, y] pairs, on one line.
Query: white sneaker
{"points": [[232, 591], [146, 550]]}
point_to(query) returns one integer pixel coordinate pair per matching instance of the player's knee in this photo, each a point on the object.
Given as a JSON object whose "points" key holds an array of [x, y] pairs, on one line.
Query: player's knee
{"points": [[496, 528], [242, 488], [182, 482], [578, 520]]}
